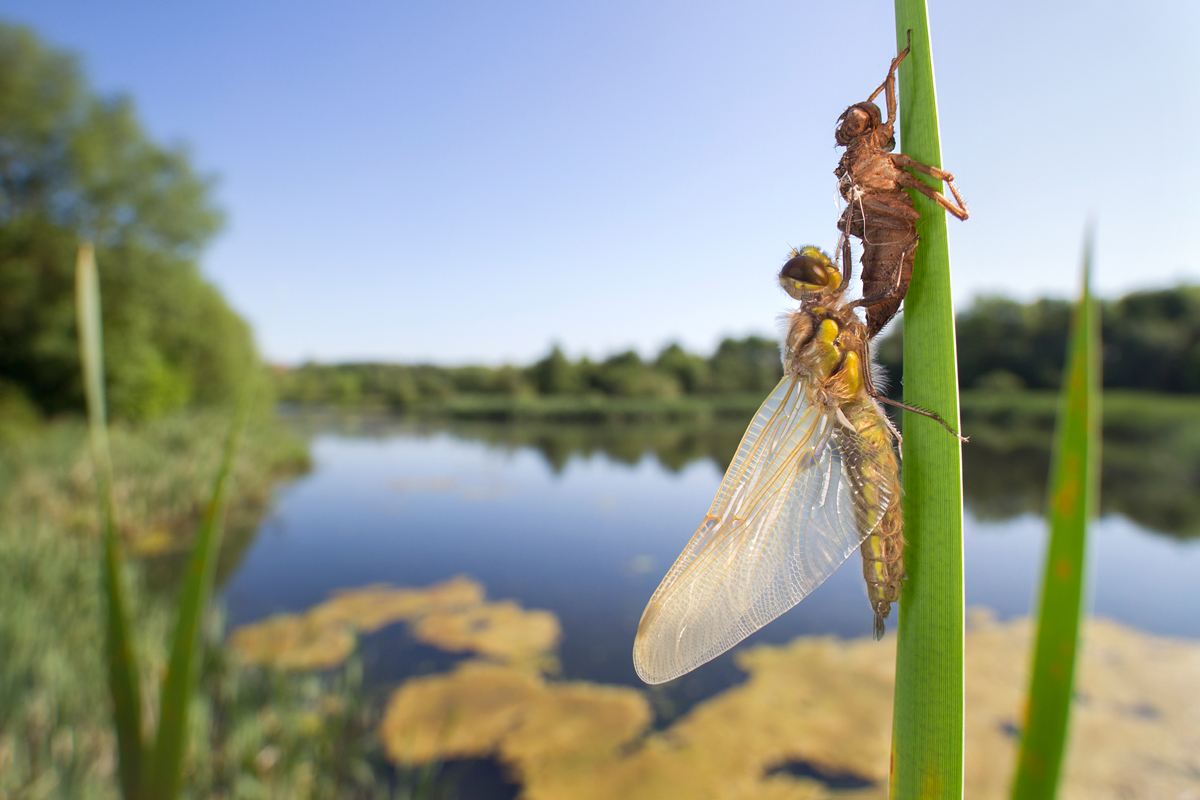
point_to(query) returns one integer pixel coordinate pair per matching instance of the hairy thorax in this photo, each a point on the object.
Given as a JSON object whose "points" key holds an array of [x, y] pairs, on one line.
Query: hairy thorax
{"points": [[824, 347]]}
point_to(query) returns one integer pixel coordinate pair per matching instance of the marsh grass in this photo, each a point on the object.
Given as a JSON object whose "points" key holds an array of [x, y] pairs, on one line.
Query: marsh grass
{"points": [[153, 748], [120, 648], [1071, 502], [55, 717]]}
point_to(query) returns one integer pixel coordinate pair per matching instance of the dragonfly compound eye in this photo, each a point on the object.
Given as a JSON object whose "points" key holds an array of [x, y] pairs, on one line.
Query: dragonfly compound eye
{"points": [[808, 270]]}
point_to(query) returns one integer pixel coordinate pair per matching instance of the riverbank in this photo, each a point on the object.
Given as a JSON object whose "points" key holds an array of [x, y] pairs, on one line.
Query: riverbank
{"points": [[1005, 415], [55, 730], [163, 471]]}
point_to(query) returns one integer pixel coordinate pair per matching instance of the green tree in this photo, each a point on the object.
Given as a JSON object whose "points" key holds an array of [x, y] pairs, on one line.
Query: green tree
{"points": [[1000, 336], [490, 380], [1152, 340], [626, 375], [74, 166], [555, 374], [690, 371], [746, 365]]}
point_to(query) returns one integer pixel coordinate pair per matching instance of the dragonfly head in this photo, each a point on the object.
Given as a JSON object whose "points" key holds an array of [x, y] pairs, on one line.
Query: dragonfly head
{"points": [[859, 120], [809, 273]]}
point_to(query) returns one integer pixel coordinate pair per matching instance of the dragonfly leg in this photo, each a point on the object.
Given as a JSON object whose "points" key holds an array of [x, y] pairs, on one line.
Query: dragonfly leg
{"points": [[869, 384], [889, 83], [956, 207], [931, 414], [844, 245]]}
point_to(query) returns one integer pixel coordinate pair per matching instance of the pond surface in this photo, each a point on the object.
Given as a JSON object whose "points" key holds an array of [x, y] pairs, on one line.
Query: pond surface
{"points": [[557, 519]]}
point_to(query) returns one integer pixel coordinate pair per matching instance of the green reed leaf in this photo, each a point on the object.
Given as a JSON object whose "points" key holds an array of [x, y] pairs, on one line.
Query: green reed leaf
{"points": [[120, 652], [927, 722], [1072, 501], [165, 769]]}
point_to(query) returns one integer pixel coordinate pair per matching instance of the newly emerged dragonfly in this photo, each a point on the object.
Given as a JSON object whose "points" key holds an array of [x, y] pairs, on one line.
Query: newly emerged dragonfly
{"points": [[814, 478]]}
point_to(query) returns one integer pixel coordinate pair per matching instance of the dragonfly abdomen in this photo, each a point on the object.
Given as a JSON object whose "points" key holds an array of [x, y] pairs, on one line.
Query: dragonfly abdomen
{"points": [[883, 564], [883, 549]]}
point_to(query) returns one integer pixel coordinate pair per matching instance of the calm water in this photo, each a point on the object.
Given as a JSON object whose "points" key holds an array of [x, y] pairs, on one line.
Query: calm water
{"points": [[587, 532]]}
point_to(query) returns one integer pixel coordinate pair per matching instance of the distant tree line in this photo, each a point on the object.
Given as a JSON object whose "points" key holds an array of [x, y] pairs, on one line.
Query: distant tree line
{"points": [[1151, 342], [749, 365], [75, 166]]}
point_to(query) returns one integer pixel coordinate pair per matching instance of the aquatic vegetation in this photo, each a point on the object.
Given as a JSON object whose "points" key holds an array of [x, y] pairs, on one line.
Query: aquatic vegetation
{"points": [[813, 715], [373, 607], [481, 707], [293, 642], [55, 718], [452, 616], [150, 757], [503, 631], [1134, 728]]}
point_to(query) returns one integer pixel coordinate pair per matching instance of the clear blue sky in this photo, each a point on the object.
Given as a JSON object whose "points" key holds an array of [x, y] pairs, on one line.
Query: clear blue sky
{"points": [[471, 181]]}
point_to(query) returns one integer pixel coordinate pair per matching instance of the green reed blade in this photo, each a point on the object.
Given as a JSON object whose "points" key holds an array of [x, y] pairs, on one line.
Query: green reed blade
{"points": [[927, 722], [119, 640], [165, 769], [1072, 501]]}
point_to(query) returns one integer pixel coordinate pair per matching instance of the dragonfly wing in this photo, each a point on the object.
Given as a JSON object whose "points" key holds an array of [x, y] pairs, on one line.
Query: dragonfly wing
{"points": [[783, 520]]}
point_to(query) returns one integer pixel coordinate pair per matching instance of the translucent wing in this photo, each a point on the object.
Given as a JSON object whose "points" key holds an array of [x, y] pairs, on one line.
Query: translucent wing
{"points": [[788, 513]]}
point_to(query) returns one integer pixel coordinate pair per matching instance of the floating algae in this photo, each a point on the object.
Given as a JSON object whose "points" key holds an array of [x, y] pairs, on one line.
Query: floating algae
{"points": [[451, 615], [572, 740], [294, 642], [557, 734], [373, 607], [821, 703], [503, 631], [811, 709]]}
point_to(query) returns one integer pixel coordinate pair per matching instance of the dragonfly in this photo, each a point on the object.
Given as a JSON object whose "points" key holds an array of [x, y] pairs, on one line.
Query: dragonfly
{"points": [[815, 478]]}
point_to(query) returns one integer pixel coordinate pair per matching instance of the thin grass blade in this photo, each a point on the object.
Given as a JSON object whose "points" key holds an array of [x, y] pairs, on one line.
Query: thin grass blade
{"points": [[165, 769], [927, 722], [1072, 501], [119, 639]]}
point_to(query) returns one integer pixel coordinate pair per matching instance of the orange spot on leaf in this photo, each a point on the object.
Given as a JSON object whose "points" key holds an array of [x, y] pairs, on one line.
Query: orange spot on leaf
{"points": [[1062, 569]]}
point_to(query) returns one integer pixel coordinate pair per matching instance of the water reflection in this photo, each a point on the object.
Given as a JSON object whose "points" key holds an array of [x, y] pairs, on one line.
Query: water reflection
{"points": [[673, 446], [584, 520], [1147, 476]]}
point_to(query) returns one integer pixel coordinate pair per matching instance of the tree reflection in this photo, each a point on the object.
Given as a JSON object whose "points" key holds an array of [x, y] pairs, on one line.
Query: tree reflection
{"points": [[1151, 453], [1146, 476]]}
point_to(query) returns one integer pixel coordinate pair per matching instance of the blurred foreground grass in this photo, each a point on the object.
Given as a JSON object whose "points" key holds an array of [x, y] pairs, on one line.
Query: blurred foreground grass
{"points": [[255, 732]]}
